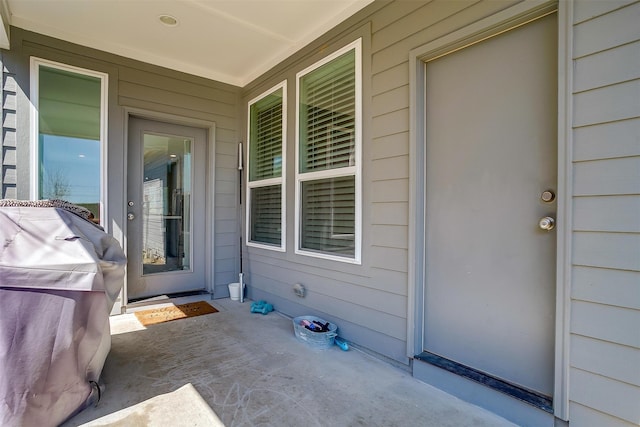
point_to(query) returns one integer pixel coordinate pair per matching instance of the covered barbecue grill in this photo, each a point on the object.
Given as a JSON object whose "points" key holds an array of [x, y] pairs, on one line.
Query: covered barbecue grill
{"points": [[59, 277]]}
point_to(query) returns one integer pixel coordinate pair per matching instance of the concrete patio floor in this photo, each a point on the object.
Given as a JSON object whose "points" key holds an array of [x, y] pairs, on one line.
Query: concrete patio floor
{"points": [[235, 368]]}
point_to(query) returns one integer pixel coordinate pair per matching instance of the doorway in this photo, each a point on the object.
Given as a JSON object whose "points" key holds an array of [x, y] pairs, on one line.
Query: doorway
{"points": [[490, 203], [166, 204]]}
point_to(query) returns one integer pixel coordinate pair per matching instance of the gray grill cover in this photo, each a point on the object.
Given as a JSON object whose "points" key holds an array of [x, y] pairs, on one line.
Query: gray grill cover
{"points": [[59, 277]]}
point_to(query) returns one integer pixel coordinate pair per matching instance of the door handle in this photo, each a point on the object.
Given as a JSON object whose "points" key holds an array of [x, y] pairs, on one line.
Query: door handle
{"points": [[130, 216], [547, 223]]}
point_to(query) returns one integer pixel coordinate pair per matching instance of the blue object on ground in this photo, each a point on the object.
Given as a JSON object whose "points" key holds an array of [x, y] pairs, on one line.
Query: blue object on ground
{"points": [[261, 306], [341, 343]]}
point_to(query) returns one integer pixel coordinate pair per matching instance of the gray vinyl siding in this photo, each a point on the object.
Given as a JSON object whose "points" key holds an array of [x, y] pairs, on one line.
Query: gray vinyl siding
{"points": [[369, 302], [135, 85], [8, 177], [604, 386]]}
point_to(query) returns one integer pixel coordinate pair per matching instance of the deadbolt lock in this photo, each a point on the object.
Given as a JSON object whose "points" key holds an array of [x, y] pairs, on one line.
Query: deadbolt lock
{"points": [[548, 196]]}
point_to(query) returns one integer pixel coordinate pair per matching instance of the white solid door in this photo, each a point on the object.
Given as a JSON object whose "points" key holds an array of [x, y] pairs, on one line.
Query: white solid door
{"points": [[166, 205], [491, 121]]}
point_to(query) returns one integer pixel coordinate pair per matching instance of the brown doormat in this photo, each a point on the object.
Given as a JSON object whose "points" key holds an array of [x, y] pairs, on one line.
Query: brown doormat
{"points": [[167, 314]]}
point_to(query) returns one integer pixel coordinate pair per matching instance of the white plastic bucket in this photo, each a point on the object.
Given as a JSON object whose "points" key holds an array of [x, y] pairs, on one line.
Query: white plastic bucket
{"points": [[234, 291]]}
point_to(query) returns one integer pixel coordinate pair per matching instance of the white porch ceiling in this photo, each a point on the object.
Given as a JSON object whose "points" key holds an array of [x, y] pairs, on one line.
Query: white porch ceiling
{"points": [[232, 41]]}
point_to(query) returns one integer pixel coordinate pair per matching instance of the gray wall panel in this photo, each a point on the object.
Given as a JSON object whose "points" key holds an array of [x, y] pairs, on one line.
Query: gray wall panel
{"points": [[608, 213], [608, 140], [395, 213], [193, 86], [391, 100], [393, 145], [607, 286], [389, 236], [391, 123], [607, 250], [394, 12], [607, 177], [584, 383], [607, 104], [605, 297], [390, 168], [390, 79], [586, 10], [595, 35], [614, 361], [597, 70], [584, 416], [393, 190]]}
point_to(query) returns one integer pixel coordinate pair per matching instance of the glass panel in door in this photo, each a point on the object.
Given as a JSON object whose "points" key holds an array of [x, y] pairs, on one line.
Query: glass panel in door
{"points": [[166, 204]]}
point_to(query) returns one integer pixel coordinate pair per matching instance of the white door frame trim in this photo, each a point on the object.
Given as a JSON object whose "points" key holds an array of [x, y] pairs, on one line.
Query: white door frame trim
{"points": [[483, 29], [210, 128]]}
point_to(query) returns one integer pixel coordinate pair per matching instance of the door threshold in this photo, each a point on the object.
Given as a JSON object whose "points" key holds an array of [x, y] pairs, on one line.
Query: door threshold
{"points": [[167, 298], [530, 397]]}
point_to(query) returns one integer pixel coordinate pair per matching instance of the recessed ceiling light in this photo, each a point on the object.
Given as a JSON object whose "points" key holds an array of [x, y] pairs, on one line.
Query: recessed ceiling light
{"points": [[168, 20]]}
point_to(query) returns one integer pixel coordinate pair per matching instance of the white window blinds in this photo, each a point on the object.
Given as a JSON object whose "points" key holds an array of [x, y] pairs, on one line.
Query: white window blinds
{"points": [[328, 215], [266, 211], [327, 115], [328, 193], [266, 137], [265, 207]]}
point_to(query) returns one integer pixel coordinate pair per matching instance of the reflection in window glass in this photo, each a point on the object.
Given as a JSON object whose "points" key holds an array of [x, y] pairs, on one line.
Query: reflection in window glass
{"points": [[69, 148], [166, 217]]}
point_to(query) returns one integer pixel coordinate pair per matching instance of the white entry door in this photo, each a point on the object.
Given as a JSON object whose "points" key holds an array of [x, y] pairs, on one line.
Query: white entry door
{"points": [[166, 205], [491, 175]]}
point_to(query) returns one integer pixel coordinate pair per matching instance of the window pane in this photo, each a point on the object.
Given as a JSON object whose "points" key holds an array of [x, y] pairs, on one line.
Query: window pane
{"points": [[266, 215], [327, 115], [69, 137], [328, 215], [166, 209], [266, 137]]}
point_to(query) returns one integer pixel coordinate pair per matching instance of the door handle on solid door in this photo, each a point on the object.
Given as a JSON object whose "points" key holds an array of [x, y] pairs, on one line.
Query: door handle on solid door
{"points": [[130, 216], [547, 223]]}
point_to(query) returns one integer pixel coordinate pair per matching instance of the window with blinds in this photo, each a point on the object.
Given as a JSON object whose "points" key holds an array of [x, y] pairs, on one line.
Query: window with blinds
{"points": [[327, 115], [265, 204], [266, 210], [266, 138], [328, 138], [328, 215]]}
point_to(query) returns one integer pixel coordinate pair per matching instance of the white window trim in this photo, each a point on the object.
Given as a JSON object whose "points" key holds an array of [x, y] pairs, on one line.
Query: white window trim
{"points": [[271, 181], [333, 173], [34, 127]]}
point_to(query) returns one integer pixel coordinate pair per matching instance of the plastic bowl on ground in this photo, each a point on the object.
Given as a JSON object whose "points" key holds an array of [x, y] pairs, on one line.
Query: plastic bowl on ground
{"points": [[318, 340]]}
